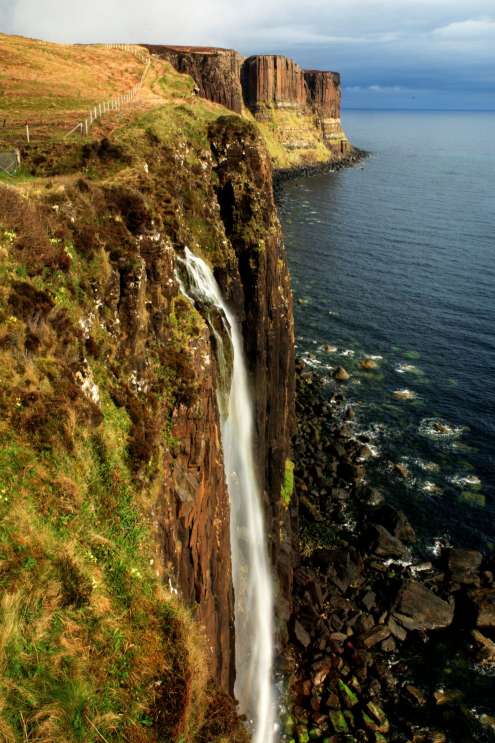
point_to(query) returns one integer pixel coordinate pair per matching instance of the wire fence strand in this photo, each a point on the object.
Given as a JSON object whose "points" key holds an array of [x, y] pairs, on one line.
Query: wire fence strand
{"points": [[83, 127]]}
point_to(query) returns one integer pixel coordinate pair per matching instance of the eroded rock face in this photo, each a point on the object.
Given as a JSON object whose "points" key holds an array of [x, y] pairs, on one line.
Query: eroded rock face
{"points": [[264, 304], [271, 80], [216, 72], [324, 92], [194, 516], [324, 95]]}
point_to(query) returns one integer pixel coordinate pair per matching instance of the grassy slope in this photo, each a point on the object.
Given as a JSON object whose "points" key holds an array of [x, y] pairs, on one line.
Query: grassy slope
{"points": [[46, 83], [92, 646]]}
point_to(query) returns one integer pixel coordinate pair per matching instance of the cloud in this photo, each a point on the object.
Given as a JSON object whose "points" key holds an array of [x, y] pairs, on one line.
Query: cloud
{"points": [[391, 44], [470, 29]]}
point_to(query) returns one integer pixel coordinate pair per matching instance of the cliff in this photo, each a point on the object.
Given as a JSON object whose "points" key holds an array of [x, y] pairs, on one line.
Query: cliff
{"points": [[117, 596], [297, 111], [216, 72], [272, 81], [324, 96]]}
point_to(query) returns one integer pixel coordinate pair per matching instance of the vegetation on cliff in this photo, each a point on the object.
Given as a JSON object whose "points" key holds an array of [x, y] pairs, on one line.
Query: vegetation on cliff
{"points": [[100, 359]]}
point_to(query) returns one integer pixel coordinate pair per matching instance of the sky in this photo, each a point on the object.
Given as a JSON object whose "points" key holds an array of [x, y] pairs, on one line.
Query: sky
{"points": [[426, 54]]}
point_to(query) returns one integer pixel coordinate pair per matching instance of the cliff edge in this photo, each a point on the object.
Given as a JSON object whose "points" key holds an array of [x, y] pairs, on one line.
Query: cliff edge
{"points": [[297, 111], [117, 605]]}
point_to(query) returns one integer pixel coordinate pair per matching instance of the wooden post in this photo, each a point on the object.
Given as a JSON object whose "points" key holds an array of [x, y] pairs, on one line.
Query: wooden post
{"points": [[27, 133]]}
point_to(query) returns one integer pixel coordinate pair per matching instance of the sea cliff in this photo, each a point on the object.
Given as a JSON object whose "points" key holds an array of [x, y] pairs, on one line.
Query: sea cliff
{"points": [[297, 111], [117, 583]]}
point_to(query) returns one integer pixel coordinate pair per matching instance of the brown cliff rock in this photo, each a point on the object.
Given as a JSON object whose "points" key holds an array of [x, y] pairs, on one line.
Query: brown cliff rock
{"points": [[248, 211], [270, 80], [324, 96], [324, 92], [216, 72]]}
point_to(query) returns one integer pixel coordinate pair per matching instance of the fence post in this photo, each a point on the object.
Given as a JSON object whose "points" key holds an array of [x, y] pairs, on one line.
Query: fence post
{"points": [[27, 133]]}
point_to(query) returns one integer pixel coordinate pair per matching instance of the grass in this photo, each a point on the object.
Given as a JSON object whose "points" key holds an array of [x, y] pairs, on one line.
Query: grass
{"points": [[53, 81], [288, 483], [92, 645], [292, 138], [97, 353]]}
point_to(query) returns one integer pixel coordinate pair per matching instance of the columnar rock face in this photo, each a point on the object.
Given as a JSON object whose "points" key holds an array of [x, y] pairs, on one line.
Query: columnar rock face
{"points": [[324, 92], [297, 110], [324, 96], [274, 81], [216, 72]]}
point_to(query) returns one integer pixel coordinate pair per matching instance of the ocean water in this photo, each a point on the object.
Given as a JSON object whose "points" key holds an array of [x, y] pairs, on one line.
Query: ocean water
{"points": [[395, 259]]}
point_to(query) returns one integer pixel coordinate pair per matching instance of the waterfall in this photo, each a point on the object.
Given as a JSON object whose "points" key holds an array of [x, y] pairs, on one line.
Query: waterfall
{"points": [[253, 591]]}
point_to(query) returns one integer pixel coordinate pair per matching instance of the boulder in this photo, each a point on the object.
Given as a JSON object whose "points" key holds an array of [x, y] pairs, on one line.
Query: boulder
{"points": [[485, 648], [301, 635], [464, 566], [483, 602], [384, 544], [341, 374], [396, 523], [418, 608], [368, 364]]}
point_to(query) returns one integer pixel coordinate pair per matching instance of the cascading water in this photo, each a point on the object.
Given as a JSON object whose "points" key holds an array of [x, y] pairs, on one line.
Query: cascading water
{"points": [[250, 565]]}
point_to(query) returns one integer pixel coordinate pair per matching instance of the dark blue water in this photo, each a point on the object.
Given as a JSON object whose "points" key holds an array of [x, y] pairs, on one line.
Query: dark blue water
{"points": [[396, 258]]}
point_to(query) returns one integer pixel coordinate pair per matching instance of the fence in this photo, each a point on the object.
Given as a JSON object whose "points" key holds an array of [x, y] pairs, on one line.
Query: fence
{"points": [[10, 161], [113, 104]]}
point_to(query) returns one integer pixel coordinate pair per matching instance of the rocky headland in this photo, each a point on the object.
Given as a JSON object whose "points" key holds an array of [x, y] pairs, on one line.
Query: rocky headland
{"points": [[298, 111]]}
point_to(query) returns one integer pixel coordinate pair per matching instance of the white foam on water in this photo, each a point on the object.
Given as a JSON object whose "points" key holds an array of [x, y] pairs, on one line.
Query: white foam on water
{"points": [[436, 428], [252, 580], [466, 481]]}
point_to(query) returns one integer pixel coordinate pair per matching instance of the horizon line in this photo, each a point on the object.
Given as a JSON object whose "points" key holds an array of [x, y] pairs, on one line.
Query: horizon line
{"points": [[430, 110]]}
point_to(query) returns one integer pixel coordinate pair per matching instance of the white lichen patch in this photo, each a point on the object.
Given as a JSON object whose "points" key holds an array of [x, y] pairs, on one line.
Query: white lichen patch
{"points": [[87, 383]]}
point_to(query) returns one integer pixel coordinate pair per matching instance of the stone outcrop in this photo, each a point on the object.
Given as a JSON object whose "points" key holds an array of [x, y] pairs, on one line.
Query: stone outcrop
{"points": [[324, 95], [216, 72], [299, 109], [272, 81], [324, 92]]}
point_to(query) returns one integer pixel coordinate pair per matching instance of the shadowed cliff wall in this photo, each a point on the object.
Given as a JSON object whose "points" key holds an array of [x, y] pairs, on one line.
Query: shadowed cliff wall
{"points": [[216, 72]]}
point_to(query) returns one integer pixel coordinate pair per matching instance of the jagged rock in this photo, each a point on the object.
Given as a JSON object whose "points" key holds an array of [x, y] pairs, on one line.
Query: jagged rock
{"points": [[398, 632], [376, 635], [444, 697], [396, 523], [302, 636], [321, 671], [464, 565], [418, 608], [389, 645], [384, 544], [402, 470]]}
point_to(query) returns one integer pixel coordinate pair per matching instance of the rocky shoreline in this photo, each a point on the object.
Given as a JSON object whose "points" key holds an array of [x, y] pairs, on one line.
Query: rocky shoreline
{"points": [[281, 175], [369, 618]]}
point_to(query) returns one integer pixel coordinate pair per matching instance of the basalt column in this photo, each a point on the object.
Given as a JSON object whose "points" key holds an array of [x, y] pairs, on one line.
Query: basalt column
{"points": [[324, 96], [272, 81]]}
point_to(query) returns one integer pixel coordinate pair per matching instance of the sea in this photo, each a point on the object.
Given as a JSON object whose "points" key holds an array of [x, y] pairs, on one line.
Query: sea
{"points": [[393, 262]]}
